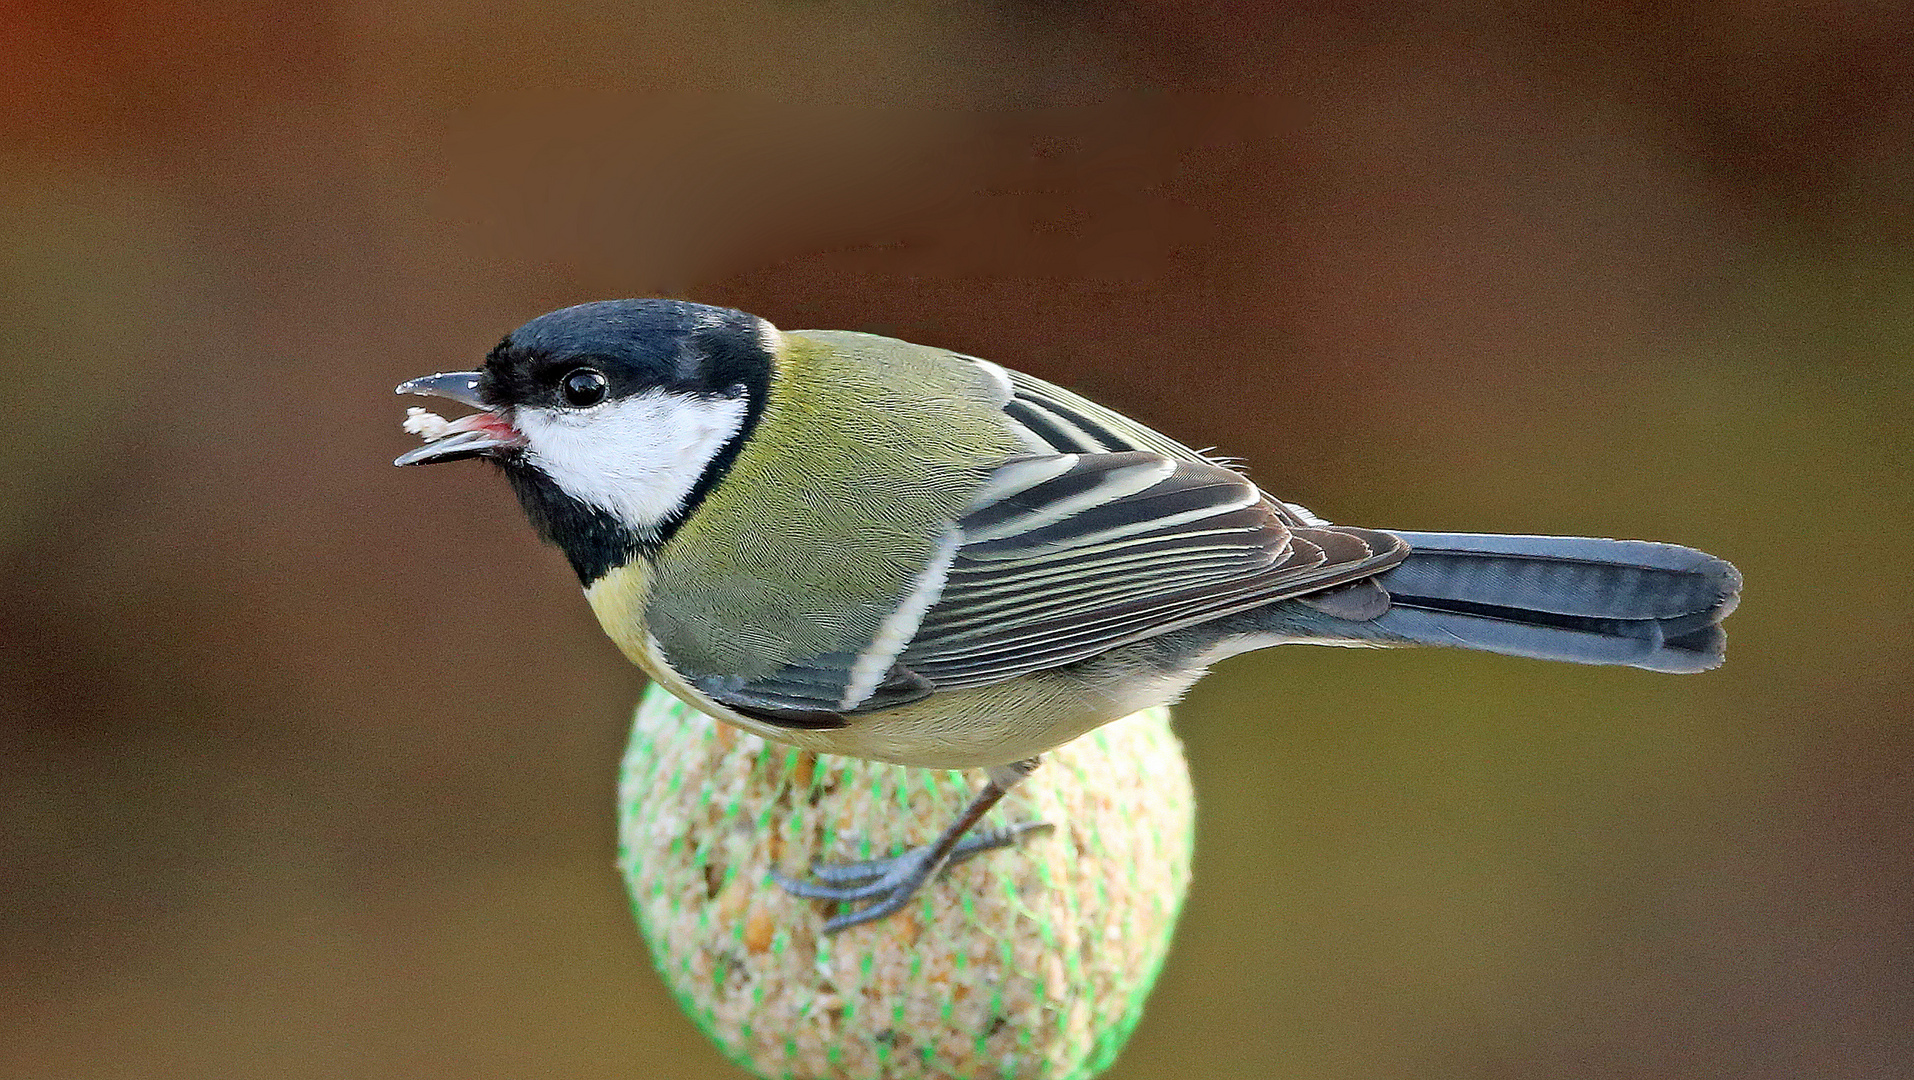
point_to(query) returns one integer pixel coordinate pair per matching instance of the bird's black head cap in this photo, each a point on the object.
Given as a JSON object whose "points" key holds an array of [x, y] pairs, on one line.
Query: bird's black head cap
{"points": [[638, 346]]}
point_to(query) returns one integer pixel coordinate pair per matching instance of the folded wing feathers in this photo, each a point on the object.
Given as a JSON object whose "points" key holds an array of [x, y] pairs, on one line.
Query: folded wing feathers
{"points": [[1044, 415], [1079, 432], [1092, 482], [1062, 564]]}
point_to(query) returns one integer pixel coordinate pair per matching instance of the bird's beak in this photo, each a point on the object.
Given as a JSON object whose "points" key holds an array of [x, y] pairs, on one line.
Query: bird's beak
{"points": [[485, 432]]}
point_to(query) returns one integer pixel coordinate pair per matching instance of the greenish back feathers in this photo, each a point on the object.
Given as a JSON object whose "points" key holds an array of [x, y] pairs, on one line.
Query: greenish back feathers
{"points": [[866, 444]]}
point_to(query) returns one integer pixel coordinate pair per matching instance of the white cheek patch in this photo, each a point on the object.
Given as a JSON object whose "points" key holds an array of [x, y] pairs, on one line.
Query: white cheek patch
{"points": [[636, 458]]}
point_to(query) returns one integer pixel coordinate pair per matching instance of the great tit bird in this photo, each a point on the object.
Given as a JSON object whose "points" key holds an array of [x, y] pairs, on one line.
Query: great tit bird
{"points": [[862, 546]]}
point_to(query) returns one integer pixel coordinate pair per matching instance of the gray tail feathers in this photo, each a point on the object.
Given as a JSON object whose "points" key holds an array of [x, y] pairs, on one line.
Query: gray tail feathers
{"points": [[1628, 602]]}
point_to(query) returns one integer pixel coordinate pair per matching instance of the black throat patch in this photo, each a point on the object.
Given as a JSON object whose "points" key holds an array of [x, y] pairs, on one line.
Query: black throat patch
{"points": [[594, 542]]}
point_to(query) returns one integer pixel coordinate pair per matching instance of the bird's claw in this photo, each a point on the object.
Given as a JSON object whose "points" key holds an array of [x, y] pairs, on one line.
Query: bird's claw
{"points": [[890, 882]]}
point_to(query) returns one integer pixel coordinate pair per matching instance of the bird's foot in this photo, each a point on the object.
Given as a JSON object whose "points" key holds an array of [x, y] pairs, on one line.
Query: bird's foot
{"points": [[889, 883]]}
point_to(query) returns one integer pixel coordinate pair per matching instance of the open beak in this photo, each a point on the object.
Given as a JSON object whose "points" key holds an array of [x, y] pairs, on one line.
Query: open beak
{"points": [[482, 433]]}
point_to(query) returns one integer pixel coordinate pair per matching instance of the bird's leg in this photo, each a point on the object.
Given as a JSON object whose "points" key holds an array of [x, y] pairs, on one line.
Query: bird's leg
{"points": [[890, 883]]}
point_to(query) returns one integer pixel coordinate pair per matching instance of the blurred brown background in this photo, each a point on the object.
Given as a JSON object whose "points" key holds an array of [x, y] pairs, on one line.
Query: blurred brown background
{"points": [[308, 761]]}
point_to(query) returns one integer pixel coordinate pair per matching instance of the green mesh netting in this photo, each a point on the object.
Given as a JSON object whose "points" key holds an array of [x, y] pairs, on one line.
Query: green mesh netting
{"points": [[1030, 962]]}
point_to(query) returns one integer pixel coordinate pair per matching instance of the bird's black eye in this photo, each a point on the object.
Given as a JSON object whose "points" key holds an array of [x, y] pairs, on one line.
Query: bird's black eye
{"points": [[584, 387]]}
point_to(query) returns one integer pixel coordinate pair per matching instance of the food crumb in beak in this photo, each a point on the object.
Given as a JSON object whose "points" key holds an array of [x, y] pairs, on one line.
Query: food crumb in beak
{"points": [[426, 424]]}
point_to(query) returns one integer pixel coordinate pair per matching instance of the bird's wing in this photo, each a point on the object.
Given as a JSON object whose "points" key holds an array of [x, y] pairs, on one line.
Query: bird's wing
{"points": [[1050, 419], [1067, 556], [1061, 557]]}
